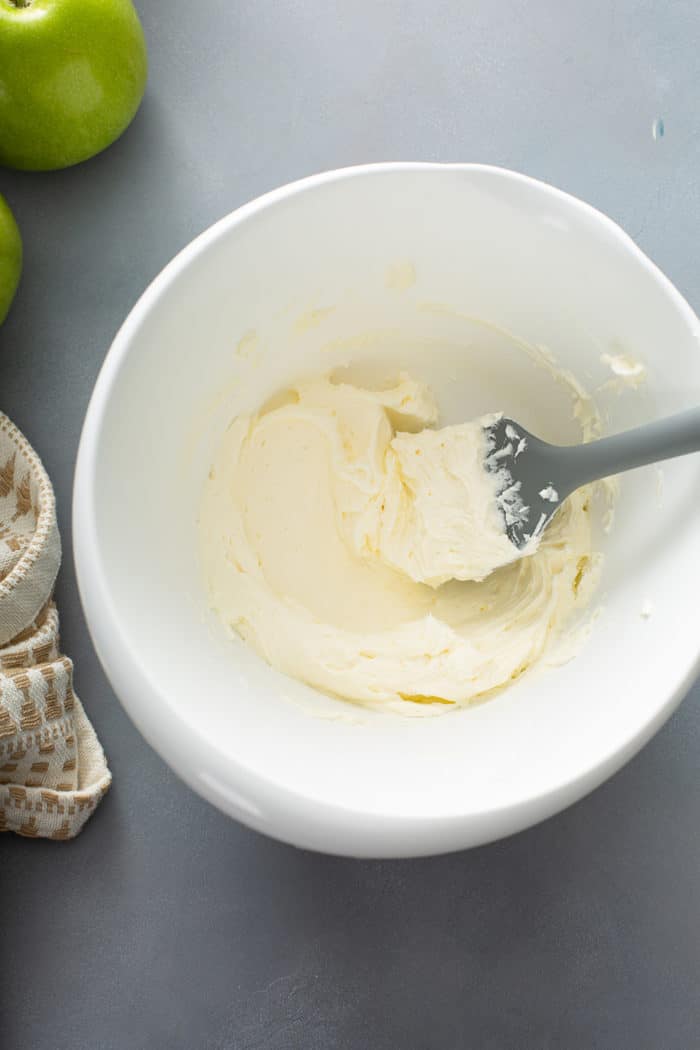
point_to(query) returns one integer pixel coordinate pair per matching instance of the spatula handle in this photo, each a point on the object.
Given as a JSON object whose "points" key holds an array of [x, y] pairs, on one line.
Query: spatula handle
{"points": [[665, 439]]}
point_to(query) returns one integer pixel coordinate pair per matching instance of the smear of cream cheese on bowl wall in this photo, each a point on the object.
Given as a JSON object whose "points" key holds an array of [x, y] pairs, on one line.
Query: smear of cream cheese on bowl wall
{"points": [[628, 373], [320, 552]]}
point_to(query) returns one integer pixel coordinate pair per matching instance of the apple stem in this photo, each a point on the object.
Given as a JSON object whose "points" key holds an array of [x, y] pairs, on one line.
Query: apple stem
{"points": [[21, 3]]}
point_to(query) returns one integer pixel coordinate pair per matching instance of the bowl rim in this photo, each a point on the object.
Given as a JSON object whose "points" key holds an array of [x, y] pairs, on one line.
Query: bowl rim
{"points": [[252, 798]]}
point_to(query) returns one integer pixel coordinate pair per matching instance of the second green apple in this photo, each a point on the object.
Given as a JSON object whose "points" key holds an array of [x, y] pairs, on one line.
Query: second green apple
{"points": [[10, 258], [72, 75]]}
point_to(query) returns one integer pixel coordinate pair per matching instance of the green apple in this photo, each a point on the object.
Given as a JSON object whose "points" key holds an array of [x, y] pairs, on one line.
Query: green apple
{"points": [[10, 258], [72, 75]]}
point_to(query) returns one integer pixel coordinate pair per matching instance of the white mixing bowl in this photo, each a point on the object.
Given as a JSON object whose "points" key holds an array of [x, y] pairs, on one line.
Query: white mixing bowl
{"points": [[425, 267]]}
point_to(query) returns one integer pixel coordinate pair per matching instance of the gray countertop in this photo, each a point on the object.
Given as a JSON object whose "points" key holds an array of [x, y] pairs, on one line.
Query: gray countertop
{"points": [[165, 925]]}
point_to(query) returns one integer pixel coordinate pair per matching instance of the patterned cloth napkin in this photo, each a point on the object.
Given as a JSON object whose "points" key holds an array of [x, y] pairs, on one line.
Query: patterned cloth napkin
{"points": [[53, 771]]}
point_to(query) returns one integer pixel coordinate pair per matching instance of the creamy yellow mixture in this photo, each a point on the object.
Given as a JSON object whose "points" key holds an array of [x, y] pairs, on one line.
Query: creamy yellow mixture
{"points": [[344, 538]]}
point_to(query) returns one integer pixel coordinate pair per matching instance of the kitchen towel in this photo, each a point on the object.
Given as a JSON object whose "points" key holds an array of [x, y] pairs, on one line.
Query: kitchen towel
{"points": [[53, 771]]}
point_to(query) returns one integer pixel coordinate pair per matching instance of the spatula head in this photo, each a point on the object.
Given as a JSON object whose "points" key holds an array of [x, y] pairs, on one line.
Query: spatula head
{"points": [[526, 495]]}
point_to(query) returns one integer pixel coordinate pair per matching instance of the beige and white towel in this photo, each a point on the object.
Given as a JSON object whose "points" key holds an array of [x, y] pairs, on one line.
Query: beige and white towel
{"points": [[53, 771]]}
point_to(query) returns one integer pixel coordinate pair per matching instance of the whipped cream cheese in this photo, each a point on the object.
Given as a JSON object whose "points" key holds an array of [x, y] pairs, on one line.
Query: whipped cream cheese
{"points": [[341, 534]]}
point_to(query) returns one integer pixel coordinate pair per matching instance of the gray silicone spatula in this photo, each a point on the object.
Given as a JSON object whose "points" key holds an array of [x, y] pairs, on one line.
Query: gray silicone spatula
{"points": [[534, 477]]}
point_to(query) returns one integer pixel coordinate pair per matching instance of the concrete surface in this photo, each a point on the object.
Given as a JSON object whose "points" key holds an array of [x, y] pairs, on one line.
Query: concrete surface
{"points": [[166, 926]]}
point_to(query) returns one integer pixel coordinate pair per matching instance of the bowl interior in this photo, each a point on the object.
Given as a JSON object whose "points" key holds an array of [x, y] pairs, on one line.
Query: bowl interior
{"points": [[437, 271]]}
